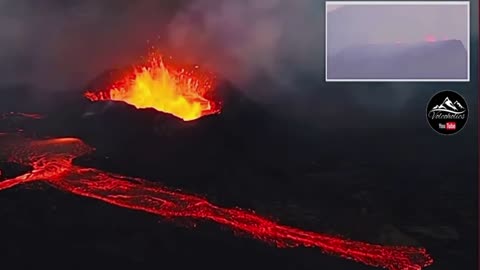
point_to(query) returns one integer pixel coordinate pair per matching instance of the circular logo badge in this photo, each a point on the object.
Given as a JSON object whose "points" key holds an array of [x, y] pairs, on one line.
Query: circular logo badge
{"points": [[447, 112]]}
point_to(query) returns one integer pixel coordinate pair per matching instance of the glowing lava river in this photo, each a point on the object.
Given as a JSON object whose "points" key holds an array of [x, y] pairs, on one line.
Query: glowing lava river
{"points": [[51, 160]]}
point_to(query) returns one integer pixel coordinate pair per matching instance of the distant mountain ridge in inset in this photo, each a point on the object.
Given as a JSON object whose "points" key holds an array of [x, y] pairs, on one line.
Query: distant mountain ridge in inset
{"points": [[447, 59]]}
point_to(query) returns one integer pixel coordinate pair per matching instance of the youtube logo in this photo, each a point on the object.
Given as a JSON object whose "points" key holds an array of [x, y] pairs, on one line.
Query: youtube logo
{"points": [[451, 126]]}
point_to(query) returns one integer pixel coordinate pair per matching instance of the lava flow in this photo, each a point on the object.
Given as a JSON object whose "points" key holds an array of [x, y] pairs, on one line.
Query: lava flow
{"points": [[24, 115], [51, 160], [165, 86]]}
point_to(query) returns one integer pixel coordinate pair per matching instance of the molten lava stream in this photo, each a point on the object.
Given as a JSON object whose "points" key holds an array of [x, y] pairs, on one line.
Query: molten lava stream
{"points": [[24, 115], [178, 90], [52, 162]]}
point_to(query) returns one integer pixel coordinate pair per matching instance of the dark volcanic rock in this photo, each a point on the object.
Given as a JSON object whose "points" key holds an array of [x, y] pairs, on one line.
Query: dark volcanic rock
{"points": [[11, 169], [244, 144], [59, 229]]}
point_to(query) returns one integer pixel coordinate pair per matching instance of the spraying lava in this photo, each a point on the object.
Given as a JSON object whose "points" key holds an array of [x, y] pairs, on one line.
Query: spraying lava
{"points": [[51, 160], [165, 86]]}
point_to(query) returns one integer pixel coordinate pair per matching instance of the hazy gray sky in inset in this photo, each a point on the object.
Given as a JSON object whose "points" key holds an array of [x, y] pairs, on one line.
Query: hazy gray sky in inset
{"points": [[356, 24]]}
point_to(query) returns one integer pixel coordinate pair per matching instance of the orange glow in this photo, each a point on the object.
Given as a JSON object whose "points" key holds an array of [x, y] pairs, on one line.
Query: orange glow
{"points": [[167, 87], [430, 38]]}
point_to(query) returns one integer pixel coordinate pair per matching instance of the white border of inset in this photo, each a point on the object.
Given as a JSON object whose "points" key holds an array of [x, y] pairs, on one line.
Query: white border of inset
{"points": [[345, 3]]}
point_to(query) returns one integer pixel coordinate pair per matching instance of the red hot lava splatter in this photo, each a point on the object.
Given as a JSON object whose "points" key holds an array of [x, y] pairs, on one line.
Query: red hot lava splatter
{"points": [[165, 86], [51, 160]]}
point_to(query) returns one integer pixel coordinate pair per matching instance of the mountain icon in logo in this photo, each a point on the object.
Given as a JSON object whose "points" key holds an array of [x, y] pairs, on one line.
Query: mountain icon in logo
{"points": [[458, 105], [449, 107]]}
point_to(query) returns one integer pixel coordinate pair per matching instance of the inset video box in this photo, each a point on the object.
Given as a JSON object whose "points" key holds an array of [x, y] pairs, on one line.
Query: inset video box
{"points": [[397, 41]]}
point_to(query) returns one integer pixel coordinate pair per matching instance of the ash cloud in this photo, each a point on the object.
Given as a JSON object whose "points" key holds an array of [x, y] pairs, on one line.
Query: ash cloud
{"points": [[59, 45], [246, 40]]}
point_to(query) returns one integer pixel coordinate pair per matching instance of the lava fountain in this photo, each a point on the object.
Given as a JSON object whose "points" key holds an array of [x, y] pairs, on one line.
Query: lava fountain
{"points": [[159, 83]]}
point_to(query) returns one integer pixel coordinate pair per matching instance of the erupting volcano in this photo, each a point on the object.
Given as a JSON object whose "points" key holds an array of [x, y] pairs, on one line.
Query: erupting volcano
{"points": [[51, 160], [184, 91]]}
